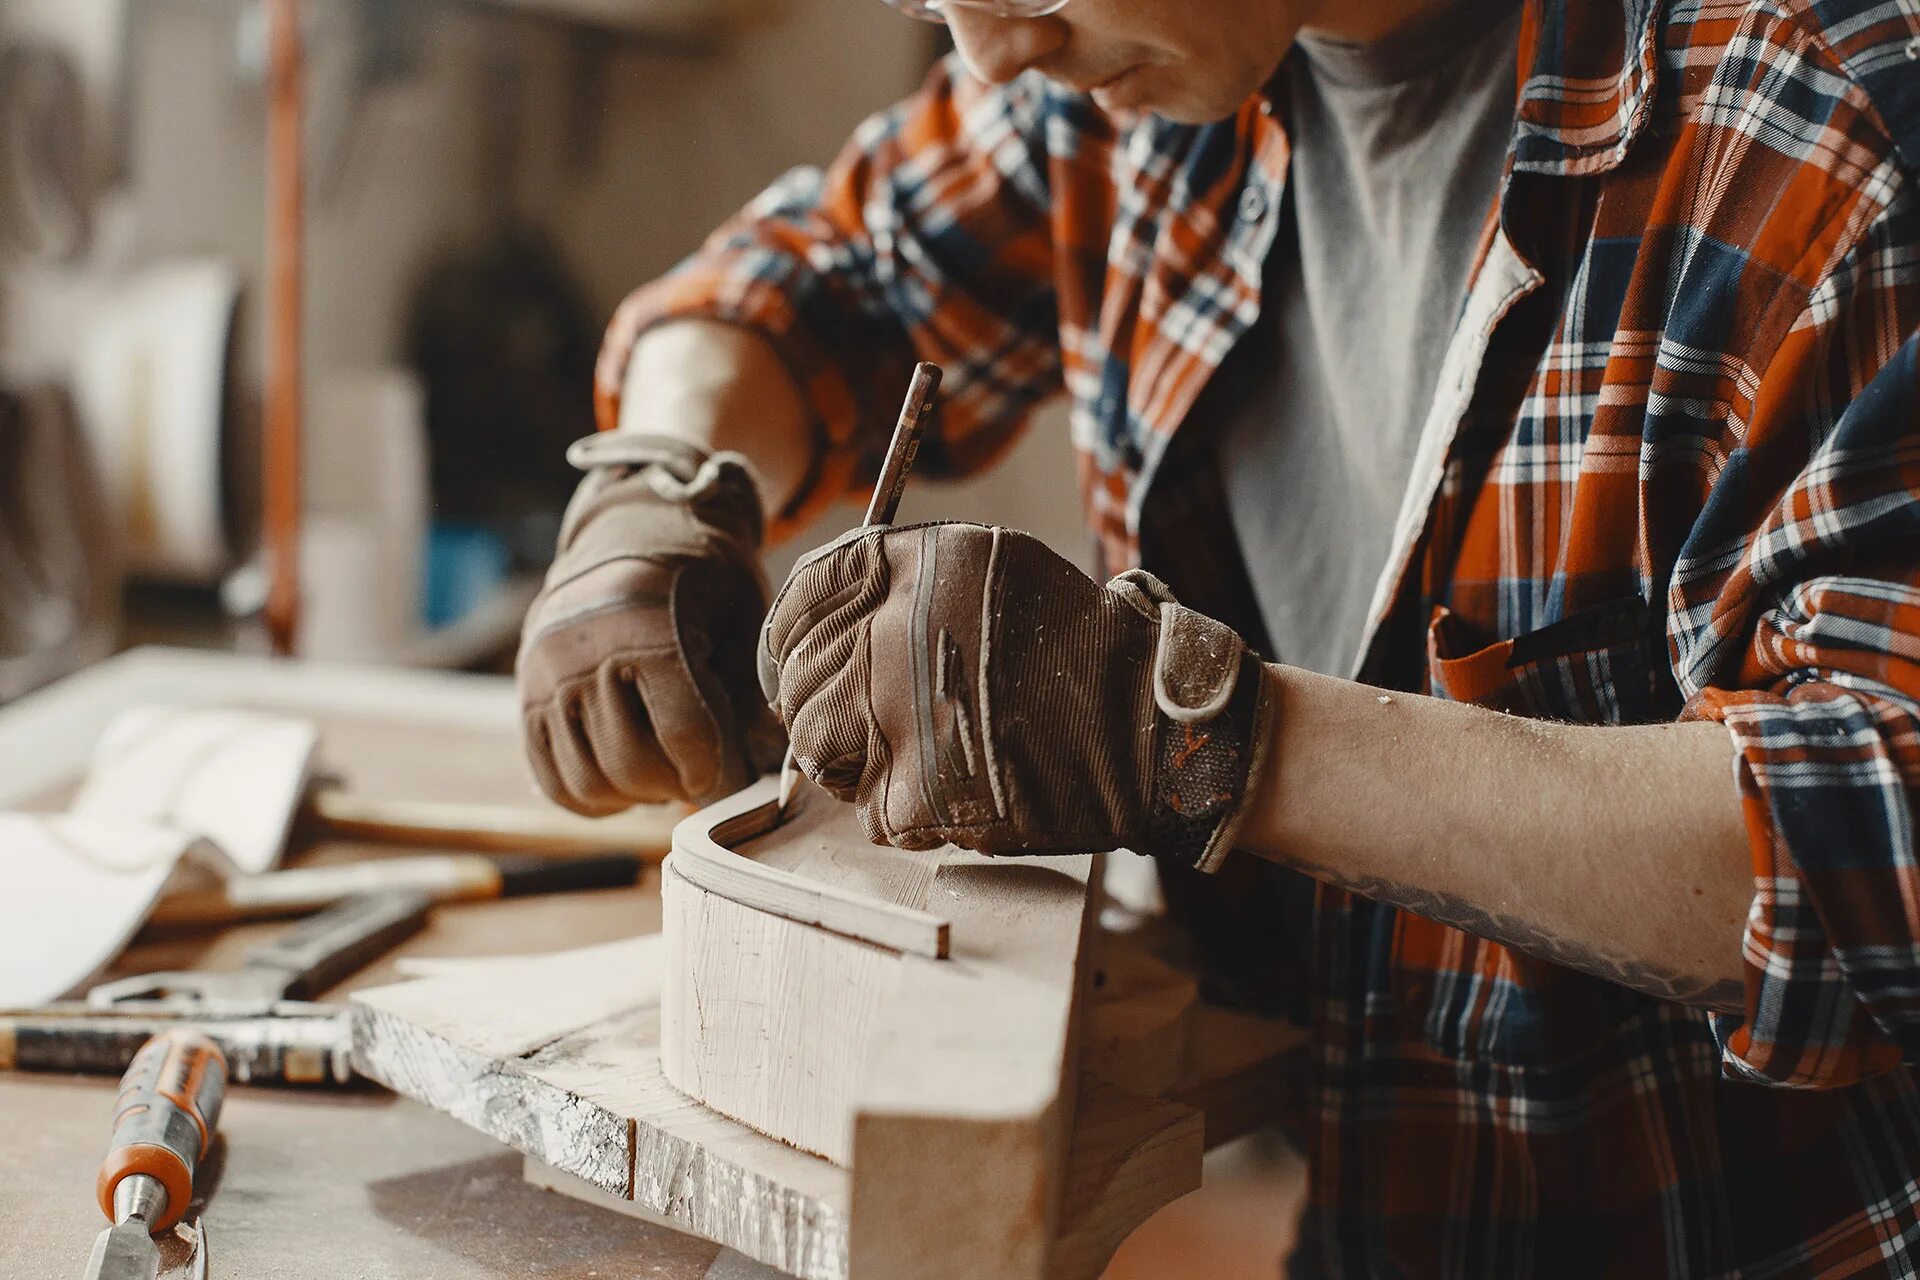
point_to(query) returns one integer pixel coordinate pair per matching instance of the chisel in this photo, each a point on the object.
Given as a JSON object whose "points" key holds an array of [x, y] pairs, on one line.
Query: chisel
{"points": [[453, 877], [163, 1126], [886, 492]]}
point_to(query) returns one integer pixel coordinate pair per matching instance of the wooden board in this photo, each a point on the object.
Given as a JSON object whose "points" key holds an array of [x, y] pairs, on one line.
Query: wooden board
{"points": [[574, 1082], [559, 1058]]}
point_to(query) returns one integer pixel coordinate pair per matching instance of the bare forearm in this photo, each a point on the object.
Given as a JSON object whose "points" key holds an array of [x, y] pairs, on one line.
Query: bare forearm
{"points": [[721, 387], [1617, 851]]}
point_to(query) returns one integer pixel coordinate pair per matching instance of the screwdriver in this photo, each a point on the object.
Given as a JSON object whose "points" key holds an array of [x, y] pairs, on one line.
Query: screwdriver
{"points": [[163, 1126], [885, 502]]}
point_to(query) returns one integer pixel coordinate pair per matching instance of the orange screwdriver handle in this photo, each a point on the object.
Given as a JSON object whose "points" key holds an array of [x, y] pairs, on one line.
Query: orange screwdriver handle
{"points": [[163, 1123]]}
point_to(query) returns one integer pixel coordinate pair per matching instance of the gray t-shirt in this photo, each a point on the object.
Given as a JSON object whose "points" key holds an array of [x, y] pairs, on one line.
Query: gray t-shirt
{"points": [[1397, 149]]}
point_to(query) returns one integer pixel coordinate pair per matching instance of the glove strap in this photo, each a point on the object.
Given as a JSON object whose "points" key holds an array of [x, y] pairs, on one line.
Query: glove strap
{"points": [[1212, 730]]}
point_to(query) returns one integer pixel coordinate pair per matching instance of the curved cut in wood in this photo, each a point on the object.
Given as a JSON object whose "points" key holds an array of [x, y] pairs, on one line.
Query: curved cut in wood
{"points": [[704, 854]]}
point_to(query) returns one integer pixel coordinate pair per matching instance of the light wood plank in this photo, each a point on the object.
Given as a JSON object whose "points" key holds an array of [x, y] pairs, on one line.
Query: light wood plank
{"points": [[570, 1033], [560, 1060]]}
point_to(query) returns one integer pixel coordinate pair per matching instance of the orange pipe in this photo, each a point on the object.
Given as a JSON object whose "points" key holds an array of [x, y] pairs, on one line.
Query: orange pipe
{"points": [[280, 447]]}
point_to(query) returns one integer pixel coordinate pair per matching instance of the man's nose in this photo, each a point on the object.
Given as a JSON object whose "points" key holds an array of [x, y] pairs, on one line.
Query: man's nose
{"points": [[998, 49]]}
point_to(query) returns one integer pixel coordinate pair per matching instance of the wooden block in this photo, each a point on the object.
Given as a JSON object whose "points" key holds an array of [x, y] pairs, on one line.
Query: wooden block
{"points": [[973, 1074], [798, 1003], [776, 1017], [1138, 1025], [784, 948]]}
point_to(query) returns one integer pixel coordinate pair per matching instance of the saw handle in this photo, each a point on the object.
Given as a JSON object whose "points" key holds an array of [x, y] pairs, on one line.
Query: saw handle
{"points": [[164, 1120]]}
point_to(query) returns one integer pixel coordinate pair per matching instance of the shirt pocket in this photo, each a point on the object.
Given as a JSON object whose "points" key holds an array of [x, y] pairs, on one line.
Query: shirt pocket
{"points": [[1475, 1000], [1591, 667]]}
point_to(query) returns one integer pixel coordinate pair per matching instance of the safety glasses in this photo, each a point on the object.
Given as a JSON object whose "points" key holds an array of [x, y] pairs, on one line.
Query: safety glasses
{"points": [[936, 10]]}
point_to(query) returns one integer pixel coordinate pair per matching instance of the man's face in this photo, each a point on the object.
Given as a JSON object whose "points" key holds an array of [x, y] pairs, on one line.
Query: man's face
{"points": [[1193, 61]]}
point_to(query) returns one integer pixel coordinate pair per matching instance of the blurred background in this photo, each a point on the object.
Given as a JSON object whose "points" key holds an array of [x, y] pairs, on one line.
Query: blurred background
{"points": [[483, 180]]}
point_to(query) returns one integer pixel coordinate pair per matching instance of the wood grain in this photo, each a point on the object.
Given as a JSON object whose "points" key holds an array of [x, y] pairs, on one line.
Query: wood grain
{"points": [[768, 1020]]}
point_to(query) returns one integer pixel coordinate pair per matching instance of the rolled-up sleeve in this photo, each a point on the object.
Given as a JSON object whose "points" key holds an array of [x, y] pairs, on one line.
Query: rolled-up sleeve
{"points": [[1812, 634], [927, 238]]}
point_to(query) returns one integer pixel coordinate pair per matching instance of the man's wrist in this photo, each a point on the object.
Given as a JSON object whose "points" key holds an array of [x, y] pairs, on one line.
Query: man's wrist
{"points": [[1261, 798], [722, 388]]}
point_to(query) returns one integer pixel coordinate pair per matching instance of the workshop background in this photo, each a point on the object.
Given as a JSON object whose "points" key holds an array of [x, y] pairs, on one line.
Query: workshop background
{"points": [[484, 180]]}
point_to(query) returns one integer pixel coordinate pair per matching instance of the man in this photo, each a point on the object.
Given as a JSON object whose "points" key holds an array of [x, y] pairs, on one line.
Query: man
{"points": [[1560, 447]]}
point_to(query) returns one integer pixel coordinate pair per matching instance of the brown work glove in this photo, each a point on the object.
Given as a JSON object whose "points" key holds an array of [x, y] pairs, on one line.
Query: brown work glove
{"points": [[636, 666], [963, 683]]}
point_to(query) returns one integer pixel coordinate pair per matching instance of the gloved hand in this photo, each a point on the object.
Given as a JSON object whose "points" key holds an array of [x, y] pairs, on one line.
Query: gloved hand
{"points": [[636, 667], [963, 683]]}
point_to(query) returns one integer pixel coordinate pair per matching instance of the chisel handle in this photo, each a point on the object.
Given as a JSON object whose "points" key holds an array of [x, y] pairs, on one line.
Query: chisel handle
{"points": [[164, 1120]]}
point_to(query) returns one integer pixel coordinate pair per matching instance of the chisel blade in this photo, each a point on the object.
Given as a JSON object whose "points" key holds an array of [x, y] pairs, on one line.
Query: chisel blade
{"points": [[125, 1252]]}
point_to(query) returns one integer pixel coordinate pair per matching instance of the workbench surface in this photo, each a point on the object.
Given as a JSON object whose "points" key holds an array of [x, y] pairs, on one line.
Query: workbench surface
{"points": [[357, 1184], [314, 1183]]}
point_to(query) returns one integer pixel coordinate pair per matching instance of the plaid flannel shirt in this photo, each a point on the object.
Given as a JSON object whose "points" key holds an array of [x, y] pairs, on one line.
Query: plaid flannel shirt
{"points": [[1671, 472]]}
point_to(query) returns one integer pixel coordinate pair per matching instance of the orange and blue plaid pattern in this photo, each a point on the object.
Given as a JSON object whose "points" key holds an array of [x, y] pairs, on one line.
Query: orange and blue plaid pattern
{"points": [[1685, 484]]}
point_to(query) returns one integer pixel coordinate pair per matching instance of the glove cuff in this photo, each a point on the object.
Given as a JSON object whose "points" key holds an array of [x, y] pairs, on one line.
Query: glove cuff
{"points": [[719, 487], [1202, 774], [1211, 727], [681, 459]]}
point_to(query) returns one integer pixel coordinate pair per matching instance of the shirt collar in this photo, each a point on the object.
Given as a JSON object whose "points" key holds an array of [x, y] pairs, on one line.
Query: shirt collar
{"points": [[1589, 86]]}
